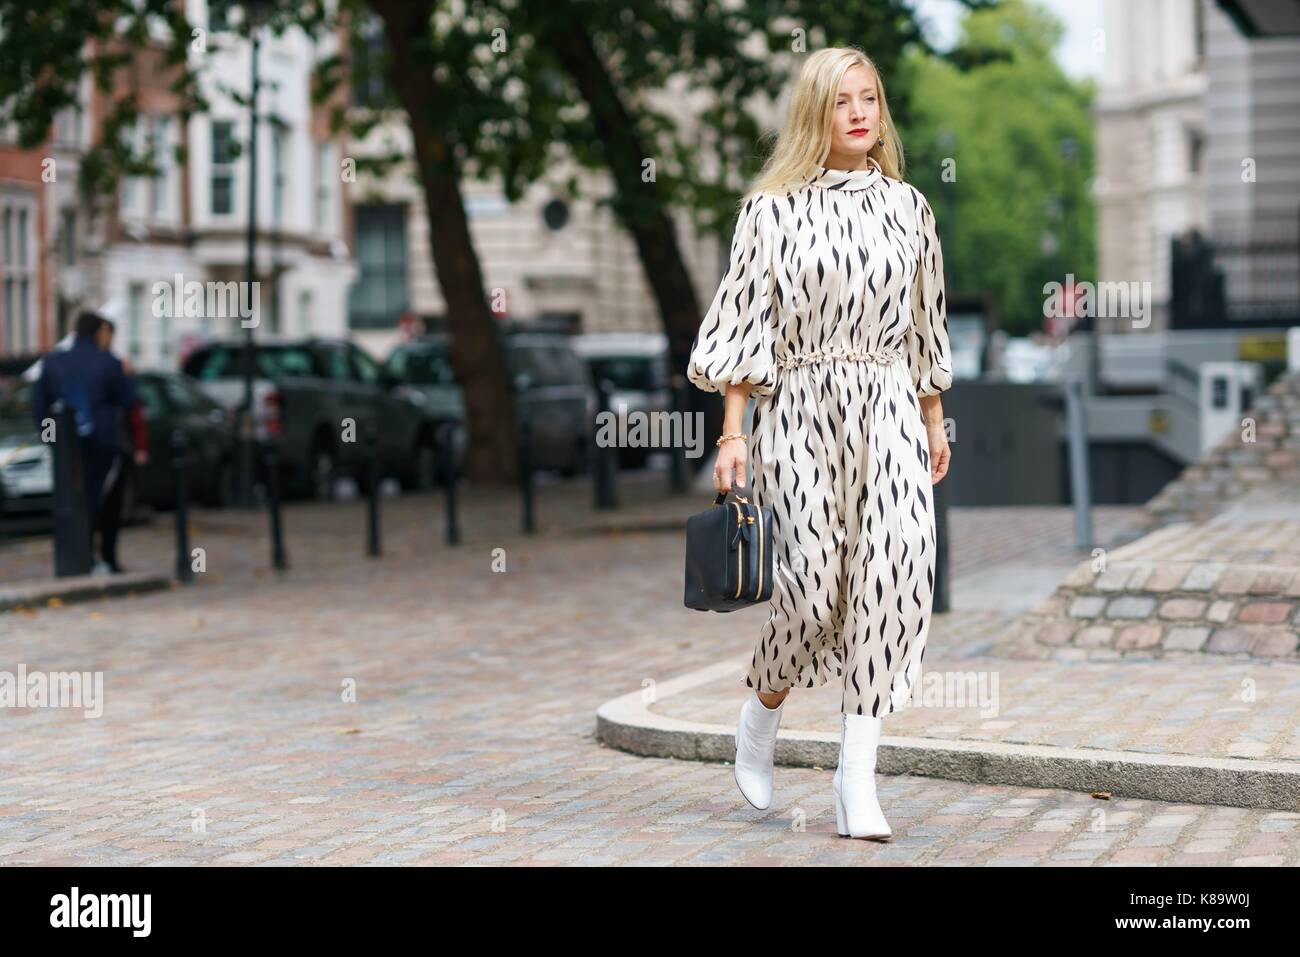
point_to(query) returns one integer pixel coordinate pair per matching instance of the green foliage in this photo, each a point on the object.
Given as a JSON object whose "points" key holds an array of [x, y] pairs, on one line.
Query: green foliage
{"points": [[513, 108], [1004, 126], [506, 100], [46, 49]]}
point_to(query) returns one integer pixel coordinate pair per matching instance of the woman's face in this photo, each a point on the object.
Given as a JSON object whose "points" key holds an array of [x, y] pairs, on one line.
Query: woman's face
{"points": [[857, 115]]}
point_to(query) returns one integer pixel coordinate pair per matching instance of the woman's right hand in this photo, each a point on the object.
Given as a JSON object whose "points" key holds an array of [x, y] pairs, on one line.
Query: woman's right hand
{"points": [[731, 462]]}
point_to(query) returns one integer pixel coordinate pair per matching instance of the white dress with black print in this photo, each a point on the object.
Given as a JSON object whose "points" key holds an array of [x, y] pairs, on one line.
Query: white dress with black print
{"points": [[833, 309]]}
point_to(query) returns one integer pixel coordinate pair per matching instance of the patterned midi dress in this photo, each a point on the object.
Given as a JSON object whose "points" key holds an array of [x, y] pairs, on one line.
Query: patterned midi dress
{"points": [[832, 307]]}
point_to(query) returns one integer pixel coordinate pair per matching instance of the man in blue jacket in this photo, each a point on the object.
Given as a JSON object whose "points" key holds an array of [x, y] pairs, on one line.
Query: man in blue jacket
{"points": [[92, 381]]}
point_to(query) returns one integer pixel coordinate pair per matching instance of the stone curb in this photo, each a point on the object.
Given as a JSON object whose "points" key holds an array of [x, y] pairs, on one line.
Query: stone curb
{"points": [[628, 724], [37, 593]]}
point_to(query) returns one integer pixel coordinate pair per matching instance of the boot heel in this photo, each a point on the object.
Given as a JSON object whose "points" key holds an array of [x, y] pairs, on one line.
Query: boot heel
{"points": [[859, 738], [841, 826]]}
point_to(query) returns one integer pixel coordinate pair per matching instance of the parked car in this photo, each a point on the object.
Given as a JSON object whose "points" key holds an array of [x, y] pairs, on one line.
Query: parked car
{"points": [[551, 384], [169, 401], [317, 398], [424, 369], [636, 366]]}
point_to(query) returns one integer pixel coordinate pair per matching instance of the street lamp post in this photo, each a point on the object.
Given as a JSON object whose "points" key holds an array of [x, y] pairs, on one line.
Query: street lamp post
{"points": [[247, 431]]}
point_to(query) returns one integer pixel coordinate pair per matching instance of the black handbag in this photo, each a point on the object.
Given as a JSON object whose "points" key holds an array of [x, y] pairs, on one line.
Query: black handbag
{"points": [[729, 556]]}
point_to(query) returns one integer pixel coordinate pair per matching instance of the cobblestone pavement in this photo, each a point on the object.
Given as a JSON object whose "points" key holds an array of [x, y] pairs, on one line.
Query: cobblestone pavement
{"points": [[1225, 587], [1226, 708], [228, 734]]}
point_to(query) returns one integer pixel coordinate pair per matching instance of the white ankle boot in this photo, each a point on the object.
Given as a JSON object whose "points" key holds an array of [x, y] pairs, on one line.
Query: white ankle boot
{"points": [[857, 813], [755, 746]]}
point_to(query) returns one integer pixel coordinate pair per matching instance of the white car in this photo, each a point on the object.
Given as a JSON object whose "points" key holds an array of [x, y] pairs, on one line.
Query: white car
{"points": [[636, 365]]}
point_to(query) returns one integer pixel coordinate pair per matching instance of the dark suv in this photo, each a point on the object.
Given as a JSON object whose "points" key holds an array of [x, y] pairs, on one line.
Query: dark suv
{"points": [[551, 383], [317, 398]]}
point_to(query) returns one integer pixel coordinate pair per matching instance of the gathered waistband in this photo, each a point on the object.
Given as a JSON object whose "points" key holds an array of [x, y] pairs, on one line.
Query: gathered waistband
{"points": [[878, 357]]}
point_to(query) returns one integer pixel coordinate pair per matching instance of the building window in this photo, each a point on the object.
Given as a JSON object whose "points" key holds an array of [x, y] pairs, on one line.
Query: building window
{"points": [[304, 313], [273, 323], [279, 137], [67, 127], [135, 313], [68, 236], [1198, 28], [133, 186], [1195, 150], [369, 60], [218, 15], [153, 197], [379, 296], [322, 208], [17, 218], [162, 187], [223, 168], [165, 336]]}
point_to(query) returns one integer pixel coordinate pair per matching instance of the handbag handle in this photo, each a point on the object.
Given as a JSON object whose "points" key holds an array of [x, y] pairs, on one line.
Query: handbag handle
{"points": [[722, 497]]}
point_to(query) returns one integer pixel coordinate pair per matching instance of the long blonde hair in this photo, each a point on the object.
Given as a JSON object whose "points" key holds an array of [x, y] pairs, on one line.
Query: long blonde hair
{"points": [[805, 139]]}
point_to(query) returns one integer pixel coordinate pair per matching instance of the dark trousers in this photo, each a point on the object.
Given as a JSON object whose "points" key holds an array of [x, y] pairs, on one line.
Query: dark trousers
{"points": [[96, 462], [110, 509]]}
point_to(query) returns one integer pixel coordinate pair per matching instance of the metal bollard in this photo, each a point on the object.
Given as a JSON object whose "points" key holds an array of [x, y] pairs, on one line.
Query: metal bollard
{"points": [[526, 469], [180, 465], [677, 477], [71, 525], [246, 434], [447, 468], [372, 490], [942, 576], [604, 458], [279, 560], [1080, 476]]}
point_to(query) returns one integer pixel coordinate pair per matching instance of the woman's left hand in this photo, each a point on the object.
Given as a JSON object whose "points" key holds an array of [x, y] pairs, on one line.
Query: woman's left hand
{"points": [[936, 436]]}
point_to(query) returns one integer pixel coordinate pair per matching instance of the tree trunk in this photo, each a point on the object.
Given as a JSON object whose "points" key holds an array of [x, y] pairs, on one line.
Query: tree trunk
{"points": [[477, 358], [645, 217]]}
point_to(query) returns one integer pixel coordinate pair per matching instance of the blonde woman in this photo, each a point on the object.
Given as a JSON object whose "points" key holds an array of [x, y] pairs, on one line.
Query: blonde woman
{"points": [[831, 315]]}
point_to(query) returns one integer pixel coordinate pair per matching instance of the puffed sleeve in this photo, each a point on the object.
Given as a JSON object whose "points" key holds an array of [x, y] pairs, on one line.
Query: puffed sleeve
{"points": [[734, 342], [928, 354]]}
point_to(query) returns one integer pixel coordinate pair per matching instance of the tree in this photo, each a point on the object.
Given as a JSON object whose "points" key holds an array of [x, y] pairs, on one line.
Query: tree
{"points": [[497, 88], [1003, 150], [618, 62]]}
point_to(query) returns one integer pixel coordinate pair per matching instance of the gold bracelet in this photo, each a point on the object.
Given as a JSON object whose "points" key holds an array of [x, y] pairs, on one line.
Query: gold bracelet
{"points": [[729, 437]]}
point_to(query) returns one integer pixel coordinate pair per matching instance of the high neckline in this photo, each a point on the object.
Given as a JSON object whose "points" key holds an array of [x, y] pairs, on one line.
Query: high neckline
{"points": [[847, 179]]}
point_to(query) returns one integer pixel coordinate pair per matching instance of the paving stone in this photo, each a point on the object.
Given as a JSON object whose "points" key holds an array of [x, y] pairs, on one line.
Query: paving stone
{"points": [[1094, 636], [1167, 576], [1130, 606], [1220, 611], [1265, 612], [1186, 639], [1202, 577], [1182, 608], [1138, 636], [1275, 643], [1087, 606], [1056, 634], [1227, 641]]}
